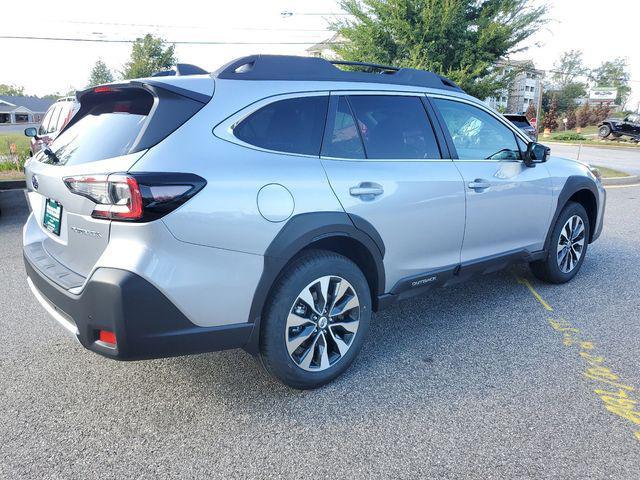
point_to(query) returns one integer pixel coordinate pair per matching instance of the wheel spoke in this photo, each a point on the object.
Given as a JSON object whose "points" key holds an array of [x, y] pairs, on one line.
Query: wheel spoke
{"points": [[345, 305], [350, 326], [307, 297], [295, 320], [309, 354], [342, 346], [339, 292], [295, 342], [324, 353], [578, 230]]}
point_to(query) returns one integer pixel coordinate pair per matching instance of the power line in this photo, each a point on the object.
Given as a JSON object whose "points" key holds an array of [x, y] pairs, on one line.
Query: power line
{"points": [[268, 29], [179, 42]]}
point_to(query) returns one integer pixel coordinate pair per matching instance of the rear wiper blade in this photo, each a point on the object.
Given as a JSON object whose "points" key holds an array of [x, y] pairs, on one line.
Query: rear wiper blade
{"points": [[49, 153]]}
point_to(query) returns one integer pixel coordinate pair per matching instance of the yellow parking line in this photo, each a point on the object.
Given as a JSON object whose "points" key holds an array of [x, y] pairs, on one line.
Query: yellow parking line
{"points": [[526, 283], [617, 401]]}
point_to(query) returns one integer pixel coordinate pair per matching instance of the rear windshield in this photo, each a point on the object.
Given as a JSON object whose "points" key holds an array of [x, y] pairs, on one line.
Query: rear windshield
{"points": [[109, 127]]}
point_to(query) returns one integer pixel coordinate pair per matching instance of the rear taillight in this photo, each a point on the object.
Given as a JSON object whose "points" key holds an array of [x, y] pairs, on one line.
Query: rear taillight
{"points": [[135, 197]]}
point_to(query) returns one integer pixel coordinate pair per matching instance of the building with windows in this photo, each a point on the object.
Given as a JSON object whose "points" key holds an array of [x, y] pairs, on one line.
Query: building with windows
{"points": [[522, 91], [324, 48], [22, 110]]}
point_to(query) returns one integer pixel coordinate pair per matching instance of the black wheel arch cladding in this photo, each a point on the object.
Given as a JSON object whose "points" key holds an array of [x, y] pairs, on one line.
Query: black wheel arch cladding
{"points": [[300, 232], [577, 188]]}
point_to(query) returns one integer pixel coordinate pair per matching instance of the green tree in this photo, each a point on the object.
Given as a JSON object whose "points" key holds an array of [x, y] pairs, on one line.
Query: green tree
{"points": [[571, 119], [584, 115], [568, 68], [12, 90], [100, 74], [149, 55], [531, 111], [551, 118], [461, 39], [614, 73]]}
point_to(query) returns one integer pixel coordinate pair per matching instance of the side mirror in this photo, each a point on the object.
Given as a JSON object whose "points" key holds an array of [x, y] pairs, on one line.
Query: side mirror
{"points": [[31, 132], [536, 153]]}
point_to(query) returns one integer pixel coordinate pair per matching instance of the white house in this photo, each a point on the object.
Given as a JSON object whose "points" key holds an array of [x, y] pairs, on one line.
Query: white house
{"points": [[18, 110]]}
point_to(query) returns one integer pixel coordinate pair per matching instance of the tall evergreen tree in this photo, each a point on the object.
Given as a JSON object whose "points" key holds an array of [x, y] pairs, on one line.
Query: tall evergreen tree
{"points": [[551, 118], [100, 74], [149, 54], [584, 115]]}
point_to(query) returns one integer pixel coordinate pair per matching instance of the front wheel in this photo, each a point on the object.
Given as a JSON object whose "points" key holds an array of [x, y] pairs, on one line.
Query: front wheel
{"points": [[567, 248], [604, 131], [316, 320]]}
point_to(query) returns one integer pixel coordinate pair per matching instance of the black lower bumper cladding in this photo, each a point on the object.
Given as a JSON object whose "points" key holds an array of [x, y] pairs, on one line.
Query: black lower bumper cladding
{"points": [[146, 323]]}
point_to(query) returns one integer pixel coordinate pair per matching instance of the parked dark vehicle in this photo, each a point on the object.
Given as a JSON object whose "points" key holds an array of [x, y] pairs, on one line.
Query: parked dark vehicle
{"points": [[56, 118], [628, 126], [523, 124]]}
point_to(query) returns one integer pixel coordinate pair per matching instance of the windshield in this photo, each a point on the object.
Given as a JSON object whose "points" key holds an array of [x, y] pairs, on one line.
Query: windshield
{"points": [[109, 128]]}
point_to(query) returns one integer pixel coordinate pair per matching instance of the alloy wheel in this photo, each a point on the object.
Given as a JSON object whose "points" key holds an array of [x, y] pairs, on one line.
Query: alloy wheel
{"points": [[322, 323], [571, 244]]}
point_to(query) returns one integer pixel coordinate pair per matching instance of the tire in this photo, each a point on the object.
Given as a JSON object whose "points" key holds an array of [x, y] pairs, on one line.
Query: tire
{"points": [[292, 325], [561, 265], [604, 131]]}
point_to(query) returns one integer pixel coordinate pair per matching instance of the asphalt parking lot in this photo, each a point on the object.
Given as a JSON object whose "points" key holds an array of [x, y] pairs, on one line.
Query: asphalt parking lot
{"points": [[478, 381]]}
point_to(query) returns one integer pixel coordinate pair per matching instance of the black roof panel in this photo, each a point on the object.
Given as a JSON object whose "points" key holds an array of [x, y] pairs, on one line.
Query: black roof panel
{"points": [[288, 67]]}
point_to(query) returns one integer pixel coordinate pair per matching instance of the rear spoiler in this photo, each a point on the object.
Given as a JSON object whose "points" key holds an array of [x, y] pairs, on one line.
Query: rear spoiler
{"points": [[172, 107]]}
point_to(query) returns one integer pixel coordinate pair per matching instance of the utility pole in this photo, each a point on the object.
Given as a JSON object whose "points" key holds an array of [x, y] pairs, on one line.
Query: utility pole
{"points": [[539, 107]]}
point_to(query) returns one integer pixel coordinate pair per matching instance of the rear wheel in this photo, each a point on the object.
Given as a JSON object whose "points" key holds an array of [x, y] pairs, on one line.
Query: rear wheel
{"points": [[316, 320], [568, 246]]}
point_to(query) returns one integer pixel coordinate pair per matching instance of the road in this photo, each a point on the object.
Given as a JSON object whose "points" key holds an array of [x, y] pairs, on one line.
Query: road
{"points": [[619, 158], [468, 382]]}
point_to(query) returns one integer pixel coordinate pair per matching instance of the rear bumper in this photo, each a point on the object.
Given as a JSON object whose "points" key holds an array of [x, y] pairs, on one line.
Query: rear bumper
{"points": [[145, 322]]}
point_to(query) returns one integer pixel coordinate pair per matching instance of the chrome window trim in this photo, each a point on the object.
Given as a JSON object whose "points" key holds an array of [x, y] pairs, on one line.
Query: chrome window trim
{"points": [[224, 130], [418, 94]]}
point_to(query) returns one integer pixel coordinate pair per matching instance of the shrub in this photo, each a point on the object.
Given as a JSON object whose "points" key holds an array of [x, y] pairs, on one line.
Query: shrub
{"points": [[569, 136]]}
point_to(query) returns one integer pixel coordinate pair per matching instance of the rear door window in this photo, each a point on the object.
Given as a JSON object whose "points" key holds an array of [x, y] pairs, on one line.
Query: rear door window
{"points": [[45, 121], [294, 125], [394, 127]]}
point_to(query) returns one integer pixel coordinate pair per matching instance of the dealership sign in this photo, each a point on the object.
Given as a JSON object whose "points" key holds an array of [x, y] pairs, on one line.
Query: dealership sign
{"points": [[603, 94]]}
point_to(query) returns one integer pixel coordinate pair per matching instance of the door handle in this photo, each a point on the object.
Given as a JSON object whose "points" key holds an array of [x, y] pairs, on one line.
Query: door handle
{"points": [[479, 185], [366, 190]]}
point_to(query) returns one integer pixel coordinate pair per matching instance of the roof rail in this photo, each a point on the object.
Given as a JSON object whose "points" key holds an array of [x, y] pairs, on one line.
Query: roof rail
{"points": [[288, 67], [181, 69], [371, 66]]}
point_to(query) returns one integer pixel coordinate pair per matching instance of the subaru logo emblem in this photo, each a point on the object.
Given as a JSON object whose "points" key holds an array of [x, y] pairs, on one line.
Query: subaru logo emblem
{"points": [[34, 182]]}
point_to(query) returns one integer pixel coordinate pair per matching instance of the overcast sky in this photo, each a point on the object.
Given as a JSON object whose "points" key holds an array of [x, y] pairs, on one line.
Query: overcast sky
{"points": [[44, 67]]}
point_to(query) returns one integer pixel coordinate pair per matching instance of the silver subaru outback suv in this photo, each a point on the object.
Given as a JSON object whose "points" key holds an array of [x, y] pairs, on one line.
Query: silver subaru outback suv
{"points": [[275, 204]]}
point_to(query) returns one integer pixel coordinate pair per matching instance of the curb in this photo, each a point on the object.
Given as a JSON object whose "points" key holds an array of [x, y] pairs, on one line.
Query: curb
{"points": [[594, 145], [630, 180], [12, 184]]}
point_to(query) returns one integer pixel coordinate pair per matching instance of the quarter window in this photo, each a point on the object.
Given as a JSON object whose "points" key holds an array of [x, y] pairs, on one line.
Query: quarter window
{"points": [[342, 138], [394, 127], [293, 125], [476, 134]]}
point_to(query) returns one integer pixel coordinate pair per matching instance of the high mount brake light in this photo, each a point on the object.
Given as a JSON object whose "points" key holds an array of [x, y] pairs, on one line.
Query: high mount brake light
{"points": [[102, 89], [135, 197]]}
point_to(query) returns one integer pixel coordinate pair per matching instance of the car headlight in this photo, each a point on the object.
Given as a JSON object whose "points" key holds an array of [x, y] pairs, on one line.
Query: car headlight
{"points": [[596, 173]]}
